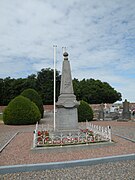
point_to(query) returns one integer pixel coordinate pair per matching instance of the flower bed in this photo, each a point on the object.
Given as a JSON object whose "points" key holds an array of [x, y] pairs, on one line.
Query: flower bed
{"points": [[46, 136], [85, 136]]}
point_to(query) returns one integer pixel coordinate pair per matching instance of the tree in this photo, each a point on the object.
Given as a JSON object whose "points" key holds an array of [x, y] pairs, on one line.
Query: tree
{"points": [[30, 82], [77, 89], [89, 90], [95, 91], [45, 84], [1, 90], [7, 90], [10, 88], [85, 112], [21, 111], [34, 96]]}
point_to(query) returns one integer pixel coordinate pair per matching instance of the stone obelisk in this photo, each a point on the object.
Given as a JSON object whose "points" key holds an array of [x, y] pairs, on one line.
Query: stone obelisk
{"points": [[66, 116]]}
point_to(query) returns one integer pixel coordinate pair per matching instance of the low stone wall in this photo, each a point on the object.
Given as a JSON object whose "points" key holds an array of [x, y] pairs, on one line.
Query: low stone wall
{"points": [[95, 107], [48, 107], [2, 108]]}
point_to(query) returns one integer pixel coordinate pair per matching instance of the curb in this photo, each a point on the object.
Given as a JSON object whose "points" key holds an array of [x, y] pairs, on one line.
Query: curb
{"points": [[71, 147], [1, 149], [64, 164]]}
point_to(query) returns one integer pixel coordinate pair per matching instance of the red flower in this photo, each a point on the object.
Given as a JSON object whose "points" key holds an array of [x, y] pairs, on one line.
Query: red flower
{"points": [[39, 133], [46, 133], [47, 139], [39, 139]]}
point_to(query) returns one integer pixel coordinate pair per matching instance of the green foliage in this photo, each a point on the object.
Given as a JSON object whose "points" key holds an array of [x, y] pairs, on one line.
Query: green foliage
{"points": [[89, 90], [1, 91], [21, 111], [95, 91], [84, 112], [30, 82], [34, 96], [10, 88], [1, 117], [45, 84]]}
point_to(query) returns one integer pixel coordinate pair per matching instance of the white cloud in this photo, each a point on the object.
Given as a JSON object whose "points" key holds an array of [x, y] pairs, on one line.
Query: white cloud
{"points": [[99, 35]]}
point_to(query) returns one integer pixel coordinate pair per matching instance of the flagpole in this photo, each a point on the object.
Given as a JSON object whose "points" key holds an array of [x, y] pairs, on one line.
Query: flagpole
{"points": [[54, 78], [63, 49]]}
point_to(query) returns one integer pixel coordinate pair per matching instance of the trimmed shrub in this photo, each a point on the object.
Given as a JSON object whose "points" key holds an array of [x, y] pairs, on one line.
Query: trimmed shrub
{"points": [[84, 112], [34, 96], [21, 111]]}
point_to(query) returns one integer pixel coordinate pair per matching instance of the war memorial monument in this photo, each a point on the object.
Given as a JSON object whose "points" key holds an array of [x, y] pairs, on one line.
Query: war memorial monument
{"points": [[66, 115], [66, 129]]}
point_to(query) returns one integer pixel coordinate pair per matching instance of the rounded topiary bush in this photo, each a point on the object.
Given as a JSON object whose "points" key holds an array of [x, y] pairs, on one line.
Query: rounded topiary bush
{"points": [[84, 112], [34, 96], [21, 111]]}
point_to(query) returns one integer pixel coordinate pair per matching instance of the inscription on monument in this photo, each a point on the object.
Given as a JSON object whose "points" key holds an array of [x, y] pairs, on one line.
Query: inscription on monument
{"points": [[67, 84]]}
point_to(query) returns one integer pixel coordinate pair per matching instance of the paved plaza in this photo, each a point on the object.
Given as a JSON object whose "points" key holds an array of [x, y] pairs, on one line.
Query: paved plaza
{"points": [[19, 151]]}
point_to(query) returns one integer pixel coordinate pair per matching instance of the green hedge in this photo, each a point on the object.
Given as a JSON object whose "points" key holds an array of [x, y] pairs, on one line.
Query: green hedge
{"points": [[1, 117], [84, 112], [34, 96], [21, 111]]}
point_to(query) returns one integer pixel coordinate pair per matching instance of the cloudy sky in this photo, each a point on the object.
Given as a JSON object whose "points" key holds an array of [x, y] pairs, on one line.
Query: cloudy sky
{"points": [[99, 36]]}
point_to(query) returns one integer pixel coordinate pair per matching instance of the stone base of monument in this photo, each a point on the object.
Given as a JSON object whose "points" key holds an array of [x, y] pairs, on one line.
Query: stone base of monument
{"points": [[66, 119]]}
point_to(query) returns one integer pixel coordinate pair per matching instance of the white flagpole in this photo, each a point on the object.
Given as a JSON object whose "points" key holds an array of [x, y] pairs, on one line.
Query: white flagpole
{"points": [[63, 49], [54, 63]]}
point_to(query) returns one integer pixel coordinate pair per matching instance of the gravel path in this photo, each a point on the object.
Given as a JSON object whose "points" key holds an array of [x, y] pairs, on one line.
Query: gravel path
{"points": [[6, 132], [19, 150], [125, 131], [4, 137], [123, 170]]}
